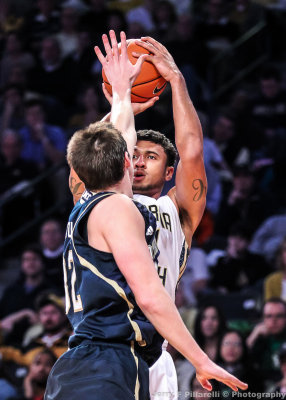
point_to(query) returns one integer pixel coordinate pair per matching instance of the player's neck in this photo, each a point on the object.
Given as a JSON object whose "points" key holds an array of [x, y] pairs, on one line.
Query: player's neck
{"points": [[149, 192], [123, 187]]}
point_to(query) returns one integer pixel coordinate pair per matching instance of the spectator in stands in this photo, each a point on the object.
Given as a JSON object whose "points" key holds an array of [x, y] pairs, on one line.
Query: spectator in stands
{"points": [[142, 14], [267, 238], [246, 14], [267, 338], [52, 239], [215, 28], [280, 387], [68, 34], [42, 143], [23, 292], [14, 55], [35, 382], [233, 356], [275, 284], [88, 109], [164, 17], [94, 21], [238, 269], [243, 203], [12, 115], [196, 276], [209, 327], [51, 333], [44, 21], [54, 77], [224, 133], [15, 176]]}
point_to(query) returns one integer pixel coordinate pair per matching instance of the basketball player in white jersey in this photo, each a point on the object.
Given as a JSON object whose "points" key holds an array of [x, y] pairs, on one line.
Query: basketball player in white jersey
{"points": [[179, 212]]}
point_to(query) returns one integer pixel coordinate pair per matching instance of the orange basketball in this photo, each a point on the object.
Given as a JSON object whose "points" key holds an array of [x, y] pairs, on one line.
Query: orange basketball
{"points": [[149, 83]]}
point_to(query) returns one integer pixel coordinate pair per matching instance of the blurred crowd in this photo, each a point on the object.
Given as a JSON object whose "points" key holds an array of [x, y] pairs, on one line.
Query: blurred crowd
{"points": [[232, 296]]}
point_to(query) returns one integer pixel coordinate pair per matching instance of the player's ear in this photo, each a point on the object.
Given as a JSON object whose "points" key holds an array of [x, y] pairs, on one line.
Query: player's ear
{"points": [[169, 173], [127, 160]]}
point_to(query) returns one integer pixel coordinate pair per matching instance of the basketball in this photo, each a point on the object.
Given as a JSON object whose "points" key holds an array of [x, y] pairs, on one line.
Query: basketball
{"points": [[149, 83]]}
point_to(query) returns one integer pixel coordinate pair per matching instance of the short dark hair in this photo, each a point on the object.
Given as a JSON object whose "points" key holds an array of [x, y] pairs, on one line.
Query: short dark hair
{"points": [[33, 103], [33, 248], [275, 300], [96, 153], [158, 138], [46, 298], [240, 230]]}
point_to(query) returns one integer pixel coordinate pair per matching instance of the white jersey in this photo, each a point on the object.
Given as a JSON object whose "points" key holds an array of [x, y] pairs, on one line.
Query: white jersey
{"points": [[170, 240], [171, 265]]}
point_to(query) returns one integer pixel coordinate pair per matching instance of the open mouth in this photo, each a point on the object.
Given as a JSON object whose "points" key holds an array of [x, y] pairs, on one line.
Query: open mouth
{"points": [[138, 176]]}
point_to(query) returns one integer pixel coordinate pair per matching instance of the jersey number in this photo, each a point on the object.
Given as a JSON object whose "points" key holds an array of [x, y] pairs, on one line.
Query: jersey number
{"points": [[76, 299]]}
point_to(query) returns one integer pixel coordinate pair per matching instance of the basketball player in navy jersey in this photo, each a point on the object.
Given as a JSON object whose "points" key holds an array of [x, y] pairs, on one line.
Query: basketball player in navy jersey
{"points": [[115, 229], [178, 213]]}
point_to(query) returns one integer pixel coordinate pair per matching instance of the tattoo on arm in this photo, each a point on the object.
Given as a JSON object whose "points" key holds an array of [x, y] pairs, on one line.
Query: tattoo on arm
{"points": [[200, 189]]}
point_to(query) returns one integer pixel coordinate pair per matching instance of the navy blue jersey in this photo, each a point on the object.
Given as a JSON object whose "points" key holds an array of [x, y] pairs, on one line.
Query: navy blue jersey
{"points": [[99, 303]]}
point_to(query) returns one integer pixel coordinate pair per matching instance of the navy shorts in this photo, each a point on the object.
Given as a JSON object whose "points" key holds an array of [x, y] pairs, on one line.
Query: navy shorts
{"points": [[99, 371]]}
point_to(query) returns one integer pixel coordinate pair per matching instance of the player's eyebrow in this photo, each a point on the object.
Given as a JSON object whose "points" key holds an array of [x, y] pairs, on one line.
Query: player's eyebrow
{"points": [[148, 152]]}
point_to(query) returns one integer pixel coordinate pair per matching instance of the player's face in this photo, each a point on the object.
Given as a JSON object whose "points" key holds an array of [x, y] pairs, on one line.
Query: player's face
{"points": [[150, 170]]}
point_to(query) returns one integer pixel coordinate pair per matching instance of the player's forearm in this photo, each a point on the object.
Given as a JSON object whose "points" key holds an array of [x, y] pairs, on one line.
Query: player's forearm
{"points": [[162, 313], [188, 131], [123, 119]]}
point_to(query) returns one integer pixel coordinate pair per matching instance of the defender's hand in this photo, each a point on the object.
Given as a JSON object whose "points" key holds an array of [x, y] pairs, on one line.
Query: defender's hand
{"points": [[212, 371], [137, 107]]}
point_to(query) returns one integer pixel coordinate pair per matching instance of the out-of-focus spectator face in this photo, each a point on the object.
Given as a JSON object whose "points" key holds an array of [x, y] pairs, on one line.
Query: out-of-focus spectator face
{"points": [[135, 30], [270, 87], [236, 245], [31, 264], [215, 9], [13, 96], [13, 44], [223, 129], [52, 318], [210, 322], [40, 368], [11, 147], [45, 6], [52, 236], [164, 12], [231, 350], [69, 18], [51, 52], [184, 26], [244, 183], [34, 115], [90, 98], [17, 75], [274, 316]]}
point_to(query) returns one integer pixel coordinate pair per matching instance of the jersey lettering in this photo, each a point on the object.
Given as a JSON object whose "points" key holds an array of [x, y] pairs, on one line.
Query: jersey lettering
{"points": [[163, 218], [76, 299], [162, 272], [69, 230]]}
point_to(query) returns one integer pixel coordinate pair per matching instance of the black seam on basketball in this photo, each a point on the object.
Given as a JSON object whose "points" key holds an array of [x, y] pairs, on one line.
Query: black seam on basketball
{"points": [[138, 84], [143, 83], [137, 95]]}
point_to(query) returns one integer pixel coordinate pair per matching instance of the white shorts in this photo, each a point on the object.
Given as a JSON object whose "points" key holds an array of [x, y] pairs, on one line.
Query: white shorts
{"points": [[163, 383]]}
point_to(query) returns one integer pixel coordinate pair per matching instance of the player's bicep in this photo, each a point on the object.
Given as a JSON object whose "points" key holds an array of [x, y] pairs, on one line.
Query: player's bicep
{"points": [[190, 192]]}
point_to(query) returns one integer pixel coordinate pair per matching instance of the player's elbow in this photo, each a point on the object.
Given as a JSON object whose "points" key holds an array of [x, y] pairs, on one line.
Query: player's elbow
{"points": [[149, 303]]}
